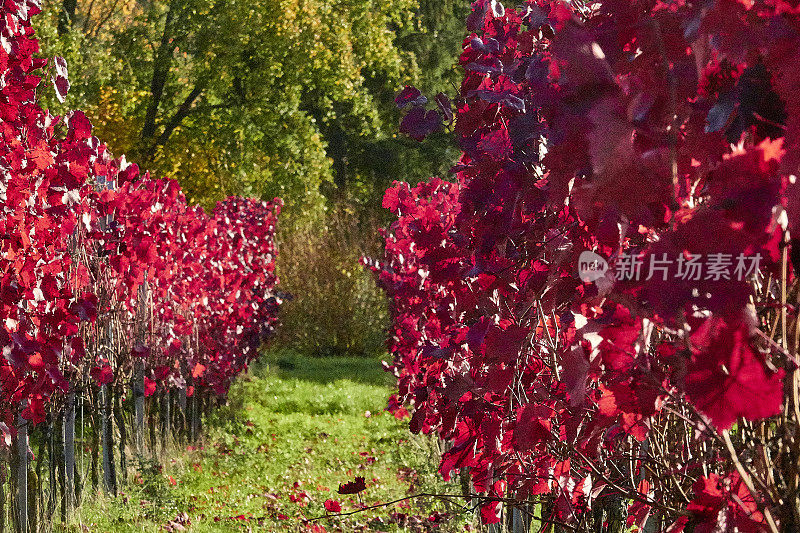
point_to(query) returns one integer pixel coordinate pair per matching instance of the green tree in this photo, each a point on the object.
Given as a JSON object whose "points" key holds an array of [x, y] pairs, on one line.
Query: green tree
{"points": [[234, 96], [365, 166], [264, 98]]}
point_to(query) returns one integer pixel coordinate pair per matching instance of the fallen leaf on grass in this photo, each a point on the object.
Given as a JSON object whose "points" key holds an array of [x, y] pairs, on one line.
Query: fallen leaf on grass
{"points": [[353, 487], [332, 506]]}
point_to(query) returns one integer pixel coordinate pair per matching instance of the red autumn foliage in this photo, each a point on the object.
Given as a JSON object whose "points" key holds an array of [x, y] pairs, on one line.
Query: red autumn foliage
{"points": [[353, 487], [332, 506], [655, 137], [104, 268]]}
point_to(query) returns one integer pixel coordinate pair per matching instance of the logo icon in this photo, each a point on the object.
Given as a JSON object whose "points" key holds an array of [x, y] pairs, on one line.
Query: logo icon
{"points": [[591, 266]]}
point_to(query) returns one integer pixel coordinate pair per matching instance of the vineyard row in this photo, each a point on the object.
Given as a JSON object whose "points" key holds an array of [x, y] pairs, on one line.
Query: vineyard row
{"points": [[121, 305]]}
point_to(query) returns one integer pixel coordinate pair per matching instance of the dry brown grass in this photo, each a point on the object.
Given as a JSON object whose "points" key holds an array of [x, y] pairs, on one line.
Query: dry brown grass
{"points": [[337, 308]]}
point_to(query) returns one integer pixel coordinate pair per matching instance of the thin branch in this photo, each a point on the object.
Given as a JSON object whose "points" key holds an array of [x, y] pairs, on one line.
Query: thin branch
{"points": [[748, 481], [182, 112], [386, 504]]}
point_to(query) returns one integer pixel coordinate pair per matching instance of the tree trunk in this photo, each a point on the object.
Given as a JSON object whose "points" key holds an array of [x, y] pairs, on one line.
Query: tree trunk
{"points": [[182, 112], [67, 16], [337, 151], [162, 61]]}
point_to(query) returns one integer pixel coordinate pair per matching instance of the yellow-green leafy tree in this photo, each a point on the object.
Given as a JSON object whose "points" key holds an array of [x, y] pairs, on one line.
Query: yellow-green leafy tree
{"points": [[264, 98], [233, 96]]}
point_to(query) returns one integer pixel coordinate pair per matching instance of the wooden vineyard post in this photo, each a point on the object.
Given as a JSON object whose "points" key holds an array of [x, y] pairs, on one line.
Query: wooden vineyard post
{"points": [[105, 402], [109, 467], [123, 438], [52, 461], [33, 500], [151, 426], [199, 409], [138, 370], [138, 405], [183, 426], [21, 449], [41, 507], [80, 472], [59, 474], [175, 414], [193, 416], [165, 419], [520, 521], [69, 451], [94, 476], [188, 402], [3, 479]]}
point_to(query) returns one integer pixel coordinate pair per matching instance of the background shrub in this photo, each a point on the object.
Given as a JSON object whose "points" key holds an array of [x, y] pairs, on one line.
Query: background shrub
{"points": [[338, 309]]}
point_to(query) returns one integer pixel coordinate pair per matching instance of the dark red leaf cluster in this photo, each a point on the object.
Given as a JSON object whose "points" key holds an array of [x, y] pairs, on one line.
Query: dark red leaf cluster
{"points": [[353, 487], [655, 136]]}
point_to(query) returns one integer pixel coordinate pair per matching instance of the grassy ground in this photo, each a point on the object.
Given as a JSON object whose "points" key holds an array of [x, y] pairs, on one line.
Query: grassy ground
{"points": [[293, 430]]}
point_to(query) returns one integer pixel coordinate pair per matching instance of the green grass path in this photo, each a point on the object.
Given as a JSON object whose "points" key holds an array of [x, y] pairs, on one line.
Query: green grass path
{"points": [[293, 430]]}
